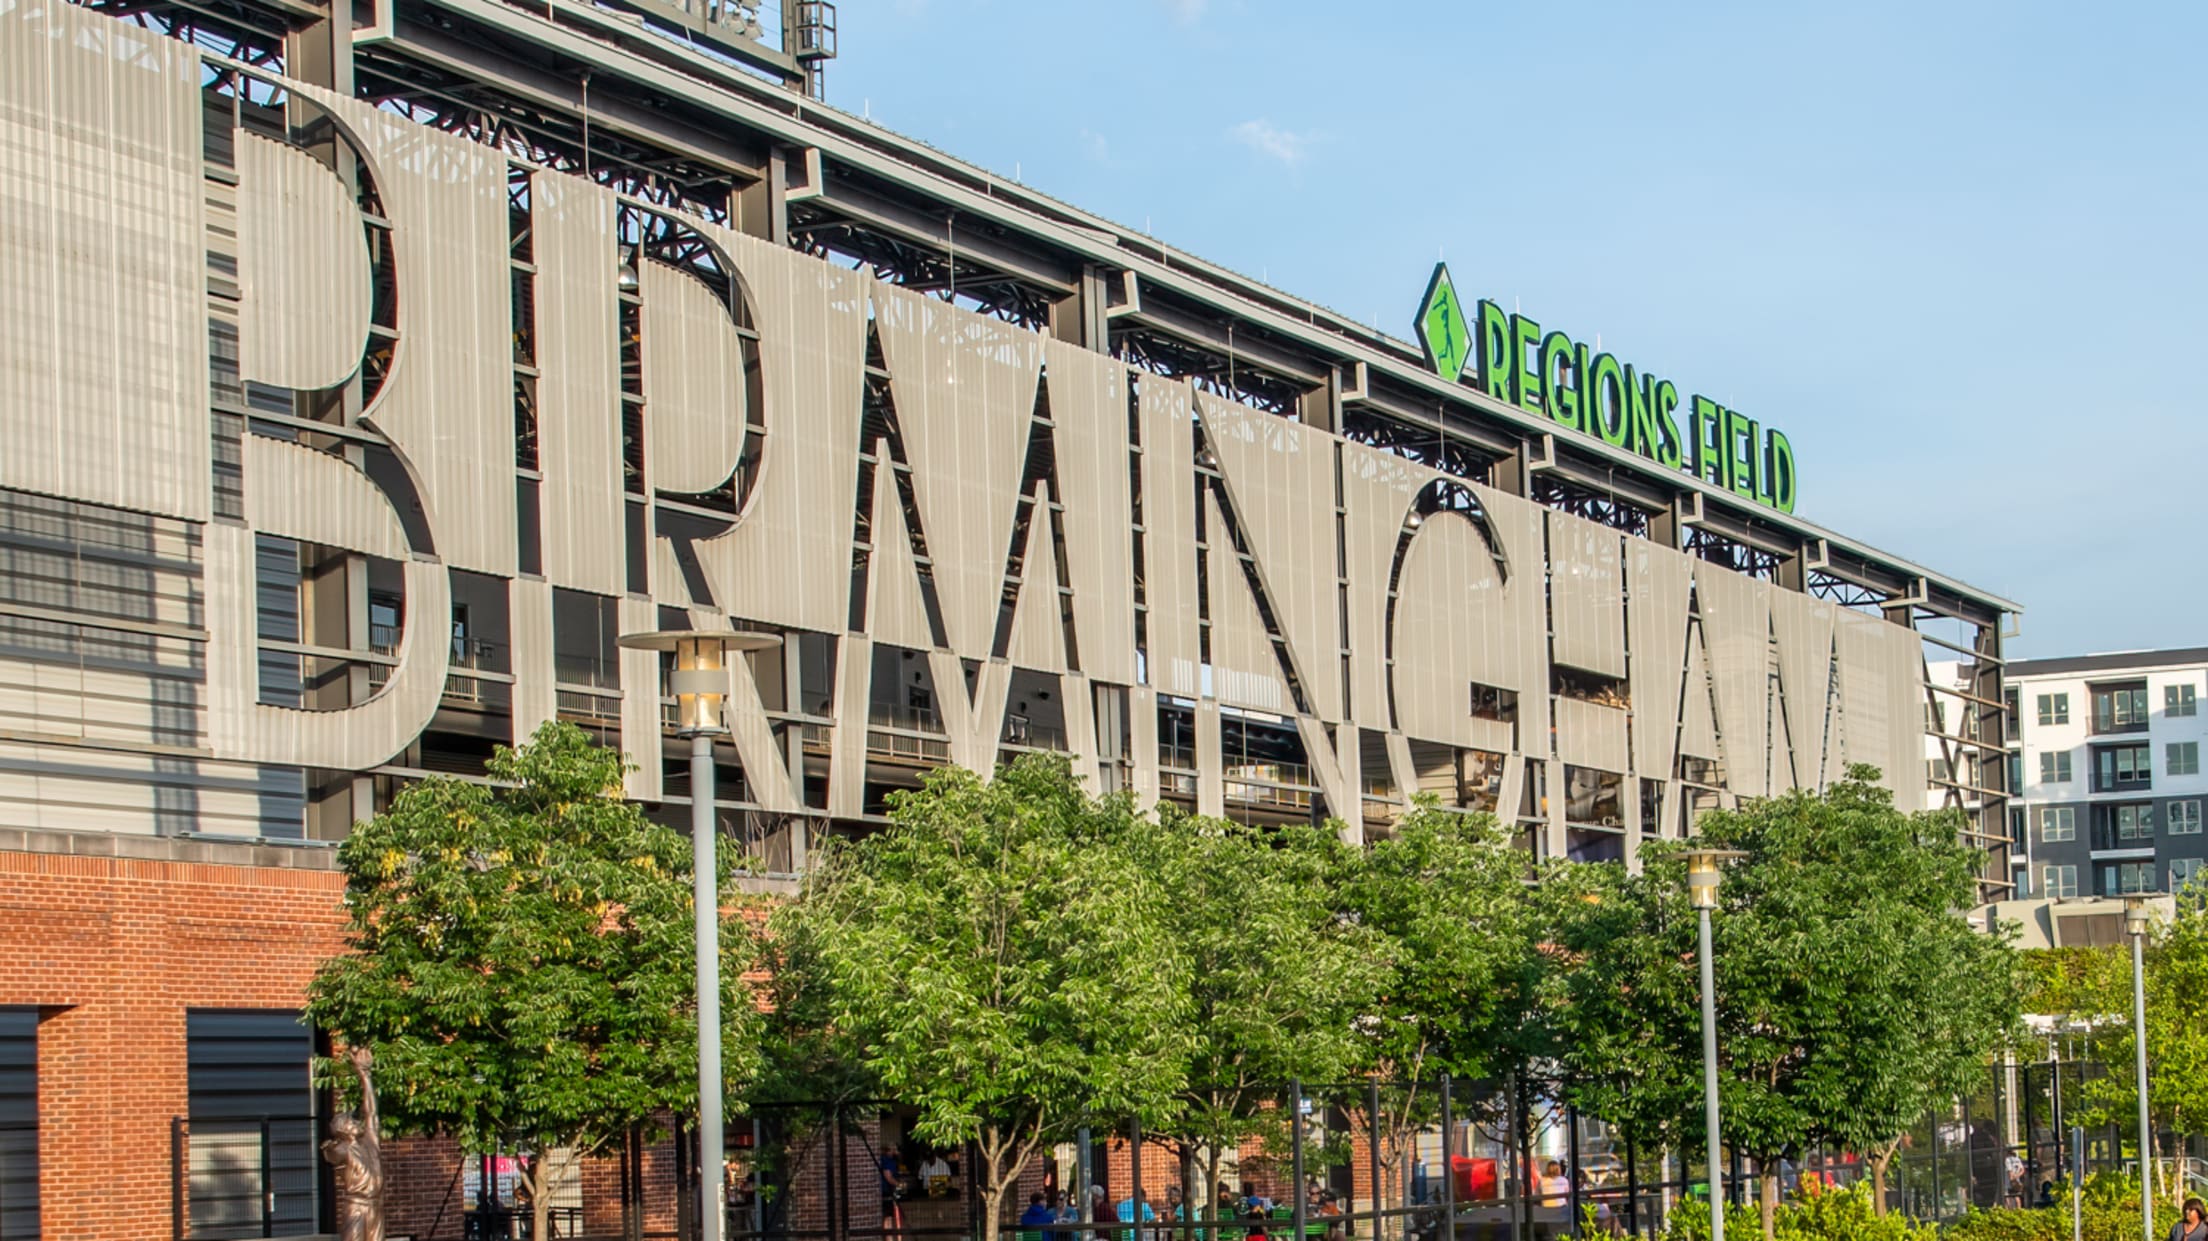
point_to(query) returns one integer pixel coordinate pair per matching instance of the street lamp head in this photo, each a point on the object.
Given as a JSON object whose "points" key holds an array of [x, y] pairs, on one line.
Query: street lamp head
{"points": [[2139, 911], [1702, 874], [700, 679]]}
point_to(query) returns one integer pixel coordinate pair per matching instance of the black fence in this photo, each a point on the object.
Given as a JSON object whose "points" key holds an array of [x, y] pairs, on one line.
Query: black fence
{"points": [[1371, 1161]]}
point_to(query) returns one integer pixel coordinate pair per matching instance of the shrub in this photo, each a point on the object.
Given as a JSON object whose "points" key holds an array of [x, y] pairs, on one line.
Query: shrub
{"points": [[1833, 1215]]}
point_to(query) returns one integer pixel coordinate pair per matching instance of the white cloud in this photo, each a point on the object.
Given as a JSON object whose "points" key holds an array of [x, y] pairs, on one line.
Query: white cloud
{"points": [[1268, 139]]}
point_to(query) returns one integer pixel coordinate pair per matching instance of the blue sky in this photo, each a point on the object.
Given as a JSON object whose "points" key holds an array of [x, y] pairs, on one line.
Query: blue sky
{"points": [[1954, 250]]}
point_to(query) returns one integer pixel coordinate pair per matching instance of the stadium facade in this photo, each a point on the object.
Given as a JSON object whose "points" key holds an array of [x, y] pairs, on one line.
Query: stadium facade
{"points": [[364, 379]]}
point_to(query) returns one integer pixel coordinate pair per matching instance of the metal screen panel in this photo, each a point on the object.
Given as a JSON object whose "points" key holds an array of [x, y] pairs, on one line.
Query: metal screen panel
{"points": [[785, 562], [1736, 623], [578, 325], [1656, 630], [103, 270], [448, 404], [1166, 411], [896, 612], [965, 388], [1038, 638], [303, 272], [1280, 475], [1378, 489], [1803, 627], [1586, 595], [1245, 665], [693, 383], [1088, 407]]}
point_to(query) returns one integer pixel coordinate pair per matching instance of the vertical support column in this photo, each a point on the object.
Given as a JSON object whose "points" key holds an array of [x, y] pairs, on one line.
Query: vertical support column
{"points": [[1997, 881], [1448, 1160], [1372, 1143], [1295, 1156]]}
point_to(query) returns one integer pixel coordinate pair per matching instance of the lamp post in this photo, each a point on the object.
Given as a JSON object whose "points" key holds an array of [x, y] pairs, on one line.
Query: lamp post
{"points": [[700, 682], [2137, 912], [1702, 876]]}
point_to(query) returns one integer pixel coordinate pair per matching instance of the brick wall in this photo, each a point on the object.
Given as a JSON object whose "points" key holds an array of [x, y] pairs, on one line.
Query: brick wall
{"points": [[113, 948]]}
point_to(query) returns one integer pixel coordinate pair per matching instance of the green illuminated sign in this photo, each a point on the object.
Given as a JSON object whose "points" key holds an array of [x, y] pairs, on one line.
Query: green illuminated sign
{"points": [[1552, 375]]}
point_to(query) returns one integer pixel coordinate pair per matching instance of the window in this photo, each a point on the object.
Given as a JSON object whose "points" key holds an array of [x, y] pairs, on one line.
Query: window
{"points": [[2057, 824], [2181, 758], [2060, 881], [2185, 818], [2017, 833], [2054, 767], [2119, 878], [2182, 871], [2009, 698], [2054, 709], [2125, 826], [2122, 767], [1939, 771], [2179, 700], [2120, 709], [18, 1122]]}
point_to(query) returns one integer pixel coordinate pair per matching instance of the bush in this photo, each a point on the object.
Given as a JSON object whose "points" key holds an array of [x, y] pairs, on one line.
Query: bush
{"points": [[1832, 1215], [2111, 1211]]}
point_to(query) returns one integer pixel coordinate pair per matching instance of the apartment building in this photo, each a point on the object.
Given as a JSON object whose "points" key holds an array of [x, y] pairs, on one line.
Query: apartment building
{"points": [[2105, 752]]}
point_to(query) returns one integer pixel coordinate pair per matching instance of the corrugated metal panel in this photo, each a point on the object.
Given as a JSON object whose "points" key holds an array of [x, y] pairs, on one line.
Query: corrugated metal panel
{"points": [[1211, 785], [1905, 696], [302, 269], [1590, 735], [535, 702], [752, 736], [1336, 764], [1166, 411], [448, 404], [1280, 475], [1080, 714], [641, 727], [1038, 639], [300, 493], [1518, 637], [243, 729], [1586, 595], [783, 564], [1377, 491], [1088, 407], [250, 1107], [1142, 744], [1454, 627], [1245, 668], [103, 366], [1803, 627], [1736, 622], [693, 383], [847, 753], [1697, 717], [895, 611], [965, 391], [1656, 629], [973, 722], [578, 321]]}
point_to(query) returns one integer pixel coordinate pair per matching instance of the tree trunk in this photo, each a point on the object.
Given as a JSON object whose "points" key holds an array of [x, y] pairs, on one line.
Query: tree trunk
{"points": [[1212, 1156], [1879, 1160], [1767, 1197], [536, 1175]]}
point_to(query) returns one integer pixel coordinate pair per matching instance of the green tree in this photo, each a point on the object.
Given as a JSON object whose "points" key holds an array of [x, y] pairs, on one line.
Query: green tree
{"points": [[1446, 898], [1001, 959], [1853, 994], [1278, 974], [520, 960], [2177, 1046]]}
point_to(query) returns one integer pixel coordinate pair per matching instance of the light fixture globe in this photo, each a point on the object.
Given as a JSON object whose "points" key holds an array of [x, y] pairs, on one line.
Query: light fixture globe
{"points": [[700, 678]]}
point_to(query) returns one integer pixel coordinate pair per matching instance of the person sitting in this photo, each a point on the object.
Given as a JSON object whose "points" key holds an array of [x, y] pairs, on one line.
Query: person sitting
{"points": [[1036, 1217]]}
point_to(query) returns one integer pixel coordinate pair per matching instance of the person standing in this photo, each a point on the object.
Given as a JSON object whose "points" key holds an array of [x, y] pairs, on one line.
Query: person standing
{"points": [[2193, 1224]]}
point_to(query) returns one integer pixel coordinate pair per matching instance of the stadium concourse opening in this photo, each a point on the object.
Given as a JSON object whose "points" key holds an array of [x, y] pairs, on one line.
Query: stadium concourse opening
{"points": [[465, 336]]}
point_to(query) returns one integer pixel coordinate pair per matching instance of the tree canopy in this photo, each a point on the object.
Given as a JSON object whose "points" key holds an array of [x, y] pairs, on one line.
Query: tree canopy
{"points": [[520, 958], [1852, 992], [1000, 959]]}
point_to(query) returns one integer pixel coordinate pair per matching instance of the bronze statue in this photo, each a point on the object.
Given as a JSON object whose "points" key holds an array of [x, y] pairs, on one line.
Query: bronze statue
{"points": [[352, 1149]]}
